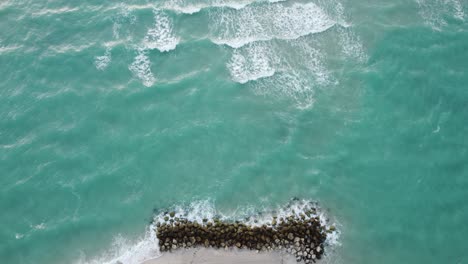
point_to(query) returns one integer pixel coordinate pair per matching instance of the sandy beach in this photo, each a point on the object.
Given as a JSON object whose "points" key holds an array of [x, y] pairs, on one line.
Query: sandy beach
{"points": [[212, 256]]}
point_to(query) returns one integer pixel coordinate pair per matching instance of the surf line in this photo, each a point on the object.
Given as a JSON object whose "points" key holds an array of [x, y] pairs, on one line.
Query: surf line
{"points": [[302, 235]]}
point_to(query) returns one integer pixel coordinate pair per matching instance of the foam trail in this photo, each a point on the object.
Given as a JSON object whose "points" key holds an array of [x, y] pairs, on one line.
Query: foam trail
{"points": [[312, 58], [270, 71], [249, 64], [237, 28], [101, 62], [351, 44], [141, 68], [459, 13], [58, 11], [288, 84], [6, 49], [188, 7], [161, 35], [275, 52], [123, 16], [434, 12]]}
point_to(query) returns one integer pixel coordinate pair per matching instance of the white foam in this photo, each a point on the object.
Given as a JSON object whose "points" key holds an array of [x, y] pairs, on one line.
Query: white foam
{"points": [[66, 48], [7, 49], [131, 7], [250, 63], [114, 43], [430, 16], [123, 16], [293, 69], [5, 5], [183, 76], [266, 22], [251, 215], [161, 35], [339, 9], [312, 58], [147, 247], [195, 211], [189, 7], [141, 68], [40, 226], [351, 44], [288, 84], [62, 10], [101, 62], [128, 252], [459, 12], [434, 12]]}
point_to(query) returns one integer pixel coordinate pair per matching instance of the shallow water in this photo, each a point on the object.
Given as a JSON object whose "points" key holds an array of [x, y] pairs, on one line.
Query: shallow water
{"points": [[110, 111]]}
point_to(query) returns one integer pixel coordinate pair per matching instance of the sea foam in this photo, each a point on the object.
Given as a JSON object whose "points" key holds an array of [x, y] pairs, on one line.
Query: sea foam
{"points": [[128, 252], [237, 28], [161, 35], [293, 69], [6, 49], [251, 63], [189, 7], [47, 11], [206, 211], [123, 16], [141, 68], [101, 62], [435, 12], [147, 247]]}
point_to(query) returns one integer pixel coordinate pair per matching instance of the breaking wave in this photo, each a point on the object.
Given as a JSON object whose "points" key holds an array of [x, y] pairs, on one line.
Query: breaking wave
{"points": [[188, 7], [277, 48], [141, 68], [237, 28], [292, 69], [128, 252], [147, 247], [251, 63], [101, 62], [161, 35]]}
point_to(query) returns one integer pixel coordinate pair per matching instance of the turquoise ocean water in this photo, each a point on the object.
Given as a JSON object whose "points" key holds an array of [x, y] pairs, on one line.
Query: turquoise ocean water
{"points": [[111, 111]]}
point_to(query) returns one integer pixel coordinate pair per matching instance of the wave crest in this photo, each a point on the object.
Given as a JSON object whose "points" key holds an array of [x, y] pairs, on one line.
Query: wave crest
{"points": [[250, 64], [237, 28], [141, 68], [188, 7], [147, 247], [128, 252], [161, 35], [101, 62]]}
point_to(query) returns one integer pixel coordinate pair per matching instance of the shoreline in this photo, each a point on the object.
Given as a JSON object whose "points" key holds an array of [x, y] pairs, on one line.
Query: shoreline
{"points": [[203, 255], [300, 233]]}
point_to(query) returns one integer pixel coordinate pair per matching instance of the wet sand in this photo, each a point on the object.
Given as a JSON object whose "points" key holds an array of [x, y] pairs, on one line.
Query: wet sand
{"points": [[212, 256]]}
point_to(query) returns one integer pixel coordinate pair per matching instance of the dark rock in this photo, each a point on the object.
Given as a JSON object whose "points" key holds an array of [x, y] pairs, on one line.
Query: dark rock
{"points": [[298, 235]]}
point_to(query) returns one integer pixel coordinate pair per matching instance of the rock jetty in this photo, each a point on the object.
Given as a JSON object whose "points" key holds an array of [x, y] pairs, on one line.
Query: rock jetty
{"points": [[301, 235]]}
